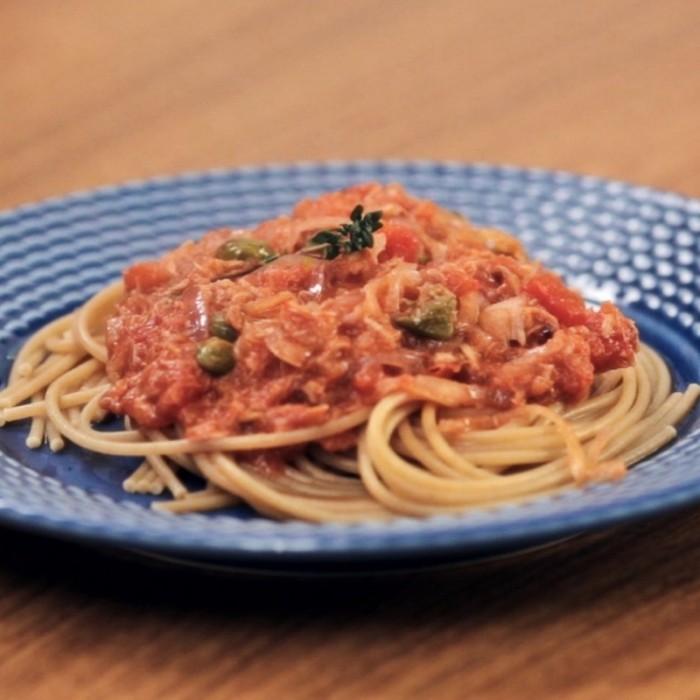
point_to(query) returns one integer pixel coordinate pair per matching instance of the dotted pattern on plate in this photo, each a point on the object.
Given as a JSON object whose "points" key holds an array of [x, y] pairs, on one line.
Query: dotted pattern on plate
{"points": [[637, 246]]}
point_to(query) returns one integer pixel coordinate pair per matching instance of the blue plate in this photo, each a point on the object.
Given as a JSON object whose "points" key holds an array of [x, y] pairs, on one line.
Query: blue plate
{"points": [[636, 246]]}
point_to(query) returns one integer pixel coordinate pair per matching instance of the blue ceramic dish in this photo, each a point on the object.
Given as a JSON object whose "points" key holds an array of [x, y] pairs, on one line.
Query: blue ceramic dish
{"points": [[636, 246]]}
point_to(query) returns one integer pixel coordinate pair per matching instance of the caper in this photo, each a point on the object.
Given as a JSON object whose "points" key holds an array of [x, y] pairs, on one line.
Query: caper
{"points": [[215, 356], [247, 249], [221, 328]]}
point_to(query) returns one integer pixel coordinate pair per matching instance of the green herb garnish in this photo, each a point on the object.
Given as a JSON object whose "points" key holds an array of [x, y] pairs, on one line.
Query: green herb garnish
{"points": [[346, 238]]}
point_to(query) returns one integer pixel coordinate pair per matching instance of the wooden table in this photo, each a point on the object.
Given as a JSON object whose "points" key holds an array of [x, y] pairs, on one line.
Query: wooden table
{"points": [[96, 93]]}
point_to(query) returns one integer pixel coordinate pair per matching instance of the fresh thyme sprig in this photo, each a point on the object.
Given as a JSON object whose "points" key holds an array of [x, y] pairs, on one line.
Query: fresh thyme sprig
{"points": [[346, 238]]}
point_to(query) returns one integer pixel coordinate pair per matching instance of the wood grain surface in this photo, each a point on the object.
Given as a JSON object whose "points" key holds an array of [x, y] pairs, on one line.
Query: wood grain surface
{"points": [[94, 93]]}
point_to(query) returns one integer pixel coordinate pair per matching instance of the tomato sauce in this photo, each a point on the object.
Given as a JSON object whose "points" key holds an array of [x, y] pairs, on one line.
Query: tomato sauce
{"points": [[313, 339]]}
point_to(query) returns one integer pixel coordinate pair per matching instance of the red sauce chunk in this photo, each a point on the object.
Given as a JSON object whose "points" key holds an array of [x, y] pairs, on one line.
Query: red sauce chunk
{"points": [[306, 339]]}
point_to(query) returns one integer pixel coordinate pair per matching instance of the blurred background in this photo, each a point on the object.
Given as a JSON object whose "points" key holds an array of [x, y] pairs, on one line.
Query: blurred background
{"points": [[95, 93]]}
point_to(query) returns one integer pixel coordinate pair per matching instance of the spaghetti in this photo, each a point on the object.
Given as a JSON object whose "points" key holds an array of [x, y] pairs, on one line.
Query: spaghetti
{"points": [[430, 369]]}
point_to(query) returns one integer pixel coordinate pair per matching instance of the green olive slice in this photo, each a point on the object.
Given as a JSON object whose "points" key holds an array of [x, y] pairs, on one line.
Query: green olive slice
{"points": [[246, 249]]}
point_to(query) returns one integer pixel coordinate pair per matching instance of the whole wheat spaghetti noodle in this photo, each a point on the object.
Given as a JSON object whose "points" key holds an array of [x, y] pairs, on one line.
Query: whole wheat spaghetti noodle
{"points": [[343, 365]]}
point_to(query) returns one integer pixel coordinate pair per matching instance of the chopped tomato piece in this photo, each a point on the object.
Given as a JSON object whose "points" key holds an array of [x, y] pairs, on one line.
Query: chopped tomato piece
{"points": [[565, 304], [614, 339], [401, 242], [146, 276]]}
